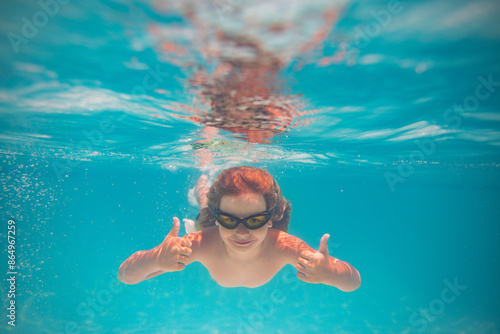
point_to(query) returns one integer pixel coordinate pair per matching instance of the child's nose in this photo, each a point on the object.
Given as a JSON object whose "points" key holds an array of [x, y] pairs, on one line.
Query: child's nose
{"points": [[242, 230]]}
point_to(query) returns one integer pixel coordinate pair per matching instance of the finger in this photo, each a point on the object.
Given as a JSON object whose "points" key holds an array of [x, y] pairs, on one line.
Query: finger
{"points": [[310, 256], [179, 266], [174, 231], [300, 267], [186, 242], [323, 245], [307, 255], [178, 249], [301, 275], [185, 251], [182, 259], [304, 262]]}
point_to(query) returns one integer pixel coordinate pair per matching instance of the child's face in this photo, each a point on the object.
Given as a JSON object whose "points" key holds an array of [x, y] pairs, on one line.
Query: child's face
{"points": [[241, 239]]}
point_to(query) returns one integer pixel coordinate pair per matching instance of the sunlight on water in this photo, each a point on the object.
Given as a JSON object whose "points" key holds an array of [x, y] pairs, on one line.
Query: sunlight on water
{"points": [[236, 73]]}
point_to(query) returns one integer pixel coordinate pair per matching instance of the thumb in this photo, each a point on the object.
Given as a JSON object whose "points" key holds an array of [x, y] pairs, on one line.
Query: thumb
{"points": [[174, 231], [323, 245]]}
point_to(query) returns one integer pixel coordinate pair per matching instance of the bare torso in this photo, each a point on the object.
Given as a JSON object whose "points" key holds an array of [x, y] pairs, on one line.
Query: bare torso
{"points": [[208, 249]]}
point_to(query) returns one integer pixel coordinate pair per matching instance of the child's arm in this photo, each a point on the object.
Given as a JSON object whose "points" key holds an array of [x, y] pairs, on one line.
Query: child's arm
{"points": [[138, 267], [318, 266], [173, 254]]}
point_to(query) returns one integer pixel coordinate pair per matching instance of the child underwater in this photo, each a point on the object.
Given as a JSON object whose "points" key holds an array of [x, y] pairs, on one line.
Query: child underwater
{"points": [[241, 238]]}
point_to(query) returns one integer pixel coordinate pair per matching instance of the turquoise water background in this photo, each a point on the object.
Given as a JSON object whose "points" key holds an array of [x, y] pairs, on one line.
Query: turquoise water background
{"points": [[400, 165]]}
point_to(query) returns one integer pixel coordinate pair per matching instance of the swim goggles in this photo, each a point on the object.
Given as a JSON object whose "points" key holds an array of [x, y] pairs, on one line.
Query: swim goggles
{"points": [[251, 222]]}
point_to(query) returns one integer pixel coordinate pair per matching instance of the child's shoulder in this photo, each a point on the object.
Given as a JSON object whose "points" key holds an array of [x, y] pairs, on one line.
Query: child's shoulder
{"points": [[287, 241], [283, 237], [288, 244]]}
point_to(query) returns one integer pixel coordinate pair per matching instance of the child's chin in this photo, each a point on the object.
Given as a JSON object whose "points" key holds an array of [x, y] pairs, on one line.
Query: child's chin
{"points": [[243, 248]]}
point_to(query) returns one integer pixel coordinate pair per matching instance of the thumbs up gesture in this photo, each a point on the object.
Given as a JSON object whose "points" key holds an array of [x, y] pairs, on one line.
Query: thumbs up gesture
{"points": [[173, 253], [315, 267]]}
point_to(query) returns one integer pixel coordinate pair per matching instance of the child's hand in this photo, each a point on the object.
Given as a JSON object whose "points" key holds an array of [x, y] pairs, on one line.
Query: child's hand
{"points": [[315, 267], [173, 253]]}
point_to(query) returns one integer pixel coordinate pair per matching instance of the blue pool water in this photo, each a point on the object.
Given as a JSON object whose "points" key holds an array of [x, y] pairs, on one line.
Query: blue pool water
{"points": [[381, 124]]}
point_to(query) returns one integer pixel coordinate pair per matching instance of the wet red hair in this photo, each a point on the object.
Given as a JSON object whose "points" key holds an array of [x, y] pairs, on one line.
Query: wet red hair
{"points": [[244, 179]]}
